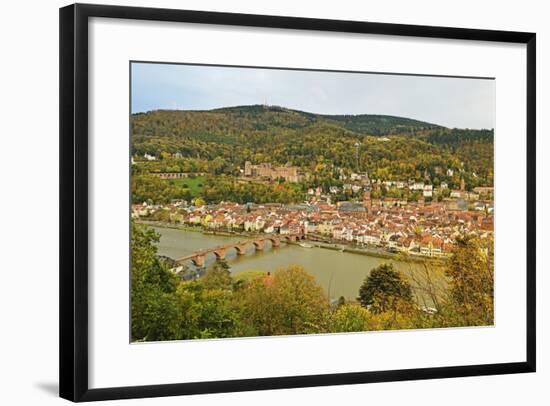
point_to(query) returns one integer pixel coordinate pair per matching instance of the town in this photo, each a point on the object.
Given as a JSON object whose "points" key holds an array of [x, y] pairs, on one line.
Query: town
{"points": [[425, 227]]}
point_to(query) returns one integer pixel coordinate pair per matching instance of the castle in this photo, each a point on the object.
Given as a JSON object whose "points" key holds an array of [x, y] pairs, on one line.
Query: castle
{"points": [[265, 170]]}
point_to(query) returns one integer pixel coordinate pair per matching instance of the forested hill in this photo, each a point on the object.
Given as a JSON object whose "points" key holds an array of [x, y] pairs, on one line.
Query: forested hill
{"points": [[260, 117], [390, 147], [362, 123]]}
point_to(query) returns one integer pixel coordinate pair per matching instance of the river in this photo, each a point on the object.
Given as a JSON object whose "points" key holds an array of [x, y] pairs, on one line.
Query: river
{"points": [[339, 273]]}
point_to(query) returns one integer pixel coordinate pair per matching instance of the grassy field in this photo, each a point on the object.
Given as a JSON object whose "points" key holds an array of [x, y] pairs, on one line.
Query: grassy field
{"points": [[194, 184]]}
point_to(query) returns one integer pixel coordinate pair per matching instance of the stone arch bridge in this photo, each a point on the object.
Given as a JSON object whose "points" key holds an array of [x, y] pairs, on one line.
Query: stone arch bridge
{"points": [[199, 257]]}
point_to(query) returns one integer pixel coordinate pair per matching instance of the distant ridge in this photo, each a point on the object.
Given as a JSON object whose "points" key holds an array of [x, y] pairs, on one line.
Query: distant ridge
{"points": [[340, 117], [371, 124]]}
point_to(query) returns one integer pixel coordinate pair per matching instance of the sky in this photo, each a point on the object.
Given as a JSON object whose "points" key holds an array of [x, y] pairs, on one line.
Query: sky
{"points": [[451, 102]]}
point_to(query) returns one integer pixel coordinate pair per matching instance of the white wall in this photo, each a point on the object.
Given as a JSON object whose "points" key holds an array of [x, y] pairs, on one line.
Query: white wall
{"points": [[28, 201]]}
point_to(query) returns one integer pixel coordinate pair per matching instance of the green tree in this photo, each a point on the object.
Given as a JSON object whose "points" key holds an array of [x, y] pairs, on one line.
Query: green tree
{"points": [[350, 318], [154, 311], [385, 290], [218, 276], [206, 313]]}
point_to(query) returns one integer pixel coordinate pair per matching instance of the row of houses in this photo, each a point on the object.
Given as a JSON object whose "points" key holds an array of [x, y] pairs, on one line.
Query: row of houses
{"points": [[418, 230]]}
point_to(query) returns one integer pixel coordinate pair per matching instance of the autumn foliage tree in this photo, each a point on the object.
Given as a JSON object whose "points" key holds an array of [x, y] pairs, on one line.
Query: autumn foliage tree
{"points": [[471, 273], [289, 301]]}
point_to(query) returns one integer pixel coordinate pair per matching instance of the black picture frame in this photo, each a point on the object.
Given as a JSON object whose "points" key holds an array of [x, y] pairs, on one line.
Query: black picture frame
{"points": [[73, 281]]}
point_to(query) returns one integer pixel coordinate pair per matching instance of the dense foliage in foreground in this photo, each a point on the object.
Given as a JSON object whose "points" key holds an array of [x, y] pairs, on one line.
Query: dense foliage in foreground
{"points": [[290, 301]]}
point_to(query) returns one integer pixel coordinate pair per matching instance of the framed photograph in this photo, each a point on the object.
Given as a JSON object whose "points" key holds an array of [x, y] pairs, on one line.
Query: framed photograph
{"points": [[257, 202]]}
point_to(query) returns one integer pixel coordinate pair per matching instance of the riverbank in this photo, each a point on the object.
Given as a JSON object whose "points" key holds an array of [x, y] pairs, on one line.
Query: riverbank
{"points": [[372, 252], [161, 224], [334, 246]]}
